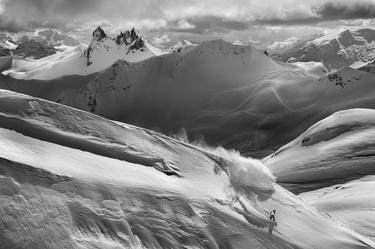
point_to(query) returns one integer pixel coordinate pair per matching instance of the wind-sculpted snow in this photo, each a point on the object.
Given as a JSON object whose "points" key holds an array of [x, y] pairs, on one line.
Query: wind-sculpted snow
{"points": [[43, 210], [335, 150], [97, 194], [351, 203]]}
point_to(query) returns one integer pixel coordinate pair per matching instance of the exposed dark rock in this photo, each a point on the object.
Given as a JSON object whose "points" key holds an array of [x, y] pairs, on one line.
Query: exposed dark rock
{"points": [[98, 34], [5, 51]]}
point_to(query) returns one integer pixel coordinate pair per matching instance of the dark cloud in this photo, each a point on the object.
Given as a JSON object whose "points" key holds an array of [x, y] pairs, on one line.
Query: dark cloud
{"points": [[240, 19], [204, 24], [10, 25], [291, 21], [346, 11], [70, 14], [326, 11]]}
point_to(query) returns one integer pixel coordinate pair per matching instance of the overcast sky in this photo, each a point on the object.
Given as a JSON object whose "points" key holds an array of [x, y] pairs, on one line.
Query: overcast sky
{"points": [[166, 21]]}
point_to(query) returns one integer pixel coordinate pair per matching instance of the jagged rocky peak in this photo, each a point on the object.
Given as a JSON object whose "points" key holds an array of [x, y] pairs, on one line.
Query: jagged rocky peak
{"points": [[98, 34], [128, 37]]}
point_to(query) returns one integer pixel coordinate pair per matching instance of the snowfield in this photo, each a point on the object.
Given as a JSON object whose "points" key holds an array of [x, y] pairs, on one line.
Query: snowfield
{"points": [[351, 203], [335, 150], [71, 179]]}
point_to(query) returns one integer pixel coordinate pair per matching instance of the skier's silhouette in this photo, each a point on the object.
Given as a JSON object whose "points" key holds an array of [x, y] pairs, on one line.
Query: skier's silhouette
{"points": [[272, 222], [272, 215]]}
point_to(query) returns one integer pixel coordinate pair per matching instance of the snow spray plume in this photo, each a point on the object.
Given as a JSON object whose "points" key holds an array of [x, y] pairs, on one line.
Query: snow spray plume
{"points": [[247, 175]]}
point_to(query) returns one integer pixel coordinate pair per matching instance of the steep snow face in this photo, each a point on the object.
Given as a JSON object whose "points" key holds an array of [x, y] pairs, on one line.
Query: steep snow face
{"points": [[71, 179], [335, 150], [352, 203], [102, 52], [335, 50]]}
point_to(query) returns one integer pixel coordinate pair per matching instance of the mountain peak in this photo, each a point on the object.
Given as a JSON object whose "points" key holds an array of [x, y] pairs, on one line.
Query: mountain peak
{"points": [[98, 34], [127, 37]]}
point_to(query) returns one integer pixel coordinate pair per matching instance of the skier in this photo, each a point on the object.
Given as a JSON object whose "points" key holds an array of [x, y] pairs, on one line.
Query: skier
{"points": [[265, 52], [272, 215], [272, 222]]}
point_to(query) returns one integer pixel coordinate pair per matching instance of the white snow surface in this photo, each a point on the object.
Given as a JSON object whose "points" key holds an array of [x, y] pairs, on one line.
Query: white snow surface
{"points": [[352, 203], [335, 50], [74, 61], [70, 179], [335, 150]]}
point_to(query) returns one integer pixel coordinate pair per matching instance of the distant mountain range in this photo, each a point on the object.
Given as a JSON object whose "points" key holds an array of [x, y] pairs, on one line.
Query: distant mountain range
{"points": [[354, 47]]}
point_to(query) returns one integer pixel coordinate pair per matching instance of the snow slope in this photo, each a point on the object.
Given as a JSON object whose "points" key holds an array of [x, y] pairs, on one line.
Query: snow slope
{"points": [[102, 52], [351, 203], [335, 150], [231, 95], [335, 50], [71, 179]]}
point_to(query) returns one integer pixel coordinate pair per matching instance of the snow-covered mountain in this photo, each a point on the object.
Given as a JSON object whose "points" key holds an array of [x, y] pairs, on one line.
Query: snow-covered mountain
{"points": [[6, 41], [33, 49], [48, 37], [128, 46], [55, 38], [215, 89], [71, 179], [335, 150], [334, 50], [180, 46], [231, 95], [101, 53]]}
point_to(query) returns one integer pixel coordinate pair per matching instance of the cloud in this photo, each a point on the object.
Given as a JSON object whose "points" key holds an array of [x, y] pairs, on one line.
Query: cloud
{"points": [[347, 10], [203, 24], [183, 19], [10, 25], [321, 11]]}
